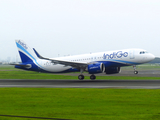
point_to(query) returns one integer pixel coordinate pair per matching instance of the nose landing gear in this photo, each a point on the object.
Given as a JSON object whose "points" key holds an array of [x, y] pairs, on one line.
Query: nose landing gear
{"points": [[135, 71]]}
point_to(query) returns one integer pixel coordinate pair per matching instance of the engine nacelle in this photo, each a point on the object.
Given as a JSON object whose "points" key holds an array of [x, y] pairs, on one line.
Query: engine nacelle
{"points": [[113, 70], [96, 68]]}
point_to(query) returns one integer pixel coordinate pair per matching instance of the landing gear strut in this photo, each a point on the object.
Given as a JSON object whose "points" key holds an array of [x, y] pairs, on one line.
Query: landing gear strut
{"points": [[135, 71], [81, 77]]}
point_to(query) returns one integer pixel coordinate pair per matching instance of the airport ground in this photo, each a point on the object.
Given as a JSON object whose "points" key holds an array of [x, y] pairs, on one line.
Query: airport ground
{"points": [[19, 103], [147, 71]]}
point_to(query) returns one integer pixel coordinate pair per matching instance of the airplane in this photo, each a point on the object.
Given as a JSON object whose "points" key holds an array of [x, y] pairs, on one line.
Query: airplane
{"points": [[109, 62]]}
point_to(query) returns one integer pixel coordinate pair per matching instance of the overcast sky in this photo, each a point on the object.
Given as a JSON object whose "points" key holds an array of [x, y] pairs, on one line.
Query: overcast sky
{"points": [[79, 26]]}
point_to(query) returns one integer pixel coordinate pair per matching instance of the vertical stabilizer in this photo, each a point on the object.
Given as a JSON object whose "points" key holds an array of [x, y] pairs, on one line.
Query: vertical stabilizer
{"points": [[26, 53]]}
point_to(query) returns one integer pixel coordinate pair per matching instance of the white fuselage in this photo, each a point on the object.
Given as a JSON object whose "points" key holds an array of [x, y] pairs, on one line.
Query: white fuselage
{"points": [[124, 57]]}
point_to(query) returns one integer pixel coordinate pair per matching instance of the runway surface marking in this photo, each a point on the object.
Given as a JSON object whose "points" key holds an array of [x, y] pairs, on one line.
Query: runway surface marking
{"points": [[134, 84]]}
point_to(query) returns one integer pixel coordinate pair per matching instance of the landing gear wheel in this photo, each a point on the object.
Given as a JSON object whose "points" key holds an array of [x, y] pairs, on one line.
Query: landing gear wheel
{"points": [[92, 77], [135, 72], [81, 77]]}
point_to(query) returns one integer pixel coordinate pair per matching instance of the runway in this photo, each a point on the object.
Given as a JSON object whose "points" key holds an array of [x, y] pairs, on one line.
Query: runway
{"points": [[131, 84]]}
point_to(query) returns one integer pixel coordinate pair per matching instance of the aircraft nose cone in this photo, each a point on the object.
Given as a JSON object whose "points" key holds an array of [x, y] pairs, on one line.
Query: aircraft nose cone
{"points": [[152, 57]]}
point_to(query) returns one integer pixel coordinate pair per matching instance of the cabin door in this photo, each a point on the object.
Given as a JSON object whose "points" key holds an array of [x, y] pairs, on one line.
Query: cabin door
{"points": [[131, 54]]}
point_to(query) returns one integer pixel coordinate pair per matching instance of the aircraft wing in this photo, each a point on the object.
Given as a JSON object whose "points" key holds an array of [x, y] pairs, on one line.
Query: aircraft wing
{"points": [[66, 63]]}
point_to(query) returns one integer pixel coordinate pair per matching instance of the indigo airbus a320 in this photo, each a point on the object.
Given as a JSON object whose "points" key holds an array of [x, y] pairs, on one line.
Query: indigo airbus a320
{"points": [[109, 62]]}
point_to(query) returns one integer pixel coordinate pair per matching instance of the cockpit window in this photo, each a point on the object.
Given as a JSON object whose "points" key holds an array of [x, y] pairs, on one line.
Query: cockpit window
{"points": [[143, 52]]}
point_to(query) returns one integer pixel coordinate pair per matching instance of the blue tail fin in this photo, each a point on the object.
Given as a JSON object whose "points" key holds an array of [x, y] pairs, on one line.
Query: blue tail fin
{"points": [[26, 53]]}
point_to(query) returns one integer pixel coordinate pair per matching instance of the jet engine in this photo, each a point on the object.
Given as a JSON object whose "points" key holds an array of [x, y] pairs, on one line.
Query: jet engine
{"points": [[96, 68], [113, 70]]}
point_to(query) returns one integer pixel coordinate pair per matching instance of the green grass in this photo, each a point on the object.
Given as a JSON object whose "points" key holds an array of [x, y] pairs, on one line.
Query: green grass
{"points": [[7, 67], [44, 76], [77, 103], [143, 67], [9, 72], [80, 104]]}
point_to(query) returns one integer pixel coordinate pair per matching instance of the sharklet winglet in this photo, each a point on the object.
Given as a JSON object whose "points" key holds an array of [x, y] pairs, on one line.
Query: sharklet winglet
{"points": [[38, 55]]}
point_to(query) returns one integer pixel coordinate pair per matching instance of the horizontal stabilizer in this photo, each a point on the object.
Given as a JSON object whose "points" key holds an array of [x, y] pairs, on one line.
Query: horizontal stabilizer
{"points": [[21, 65]]}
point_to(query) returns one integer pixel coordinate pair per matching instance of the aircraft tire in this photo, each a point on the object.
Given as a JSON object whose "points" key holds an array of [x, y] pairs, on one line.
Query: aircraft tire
{"points": [[135, 72], [92, 77], [81, 77]]}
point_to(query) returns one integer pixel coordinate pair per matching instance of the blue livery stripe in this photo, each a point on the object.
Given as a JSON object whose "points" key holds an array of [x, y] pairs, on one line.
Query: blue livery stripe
{"points": [[25, 51]]}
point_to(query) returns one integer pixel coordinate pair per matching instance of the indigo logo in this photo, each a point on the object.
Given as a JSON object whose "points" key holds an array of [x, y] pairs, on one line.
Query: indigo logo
{"points": [[24, 45], [115, 55]]}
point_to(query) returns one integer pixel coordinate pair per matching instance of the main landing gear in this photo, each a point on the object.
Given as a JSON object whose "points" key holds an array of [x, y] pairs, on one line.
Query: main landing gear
{"points": [[92, 77], [81, 77], [135, 71]]}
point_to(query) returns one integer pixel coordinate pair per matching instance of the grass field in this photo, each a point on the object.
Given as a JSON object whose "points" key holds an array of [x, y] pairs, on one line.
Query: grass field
{"points": [[77, 103], [45, 76], [80, 104], [9, 72], [143, 67]]}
